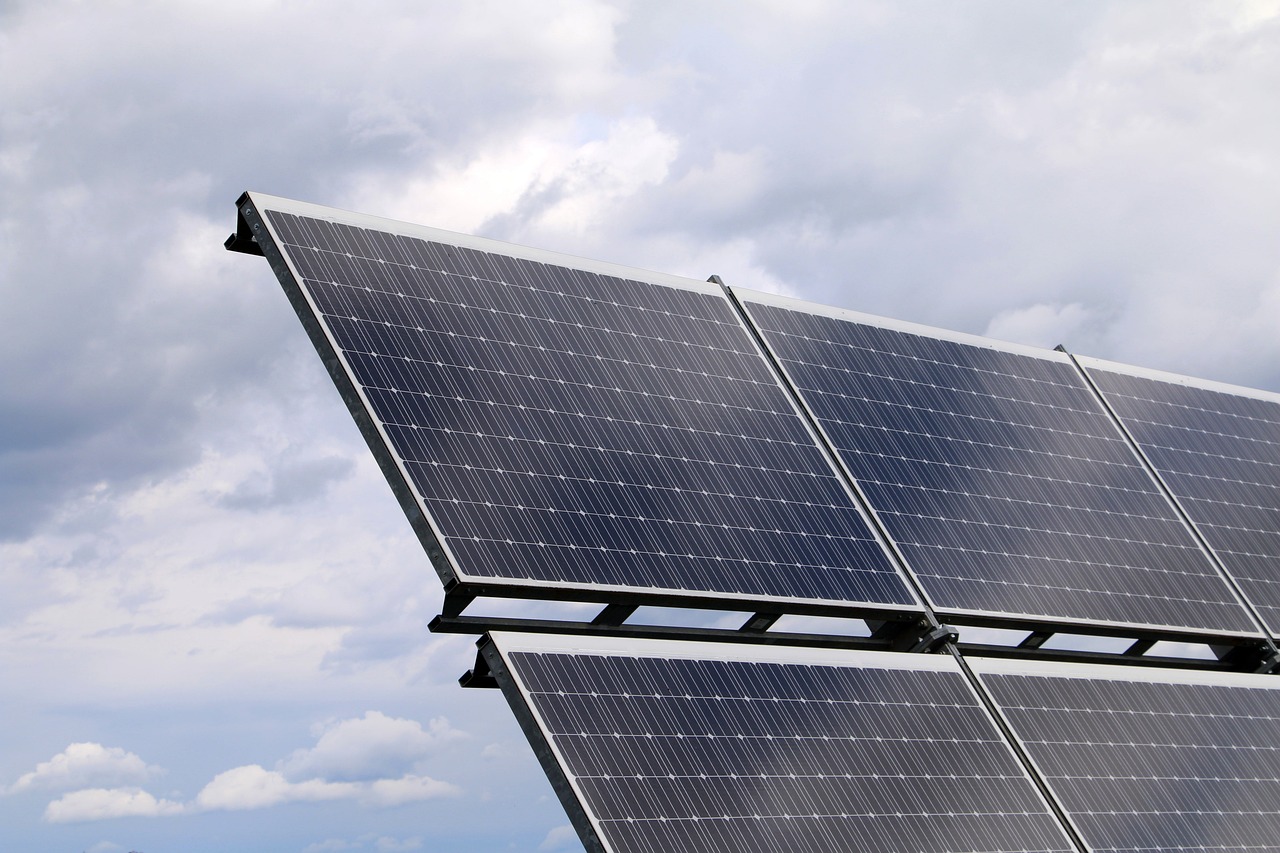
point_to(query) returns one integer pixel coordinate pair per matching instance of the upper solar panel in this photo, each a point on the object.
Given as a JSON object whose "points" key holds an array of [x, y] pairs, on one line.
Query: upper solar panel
{"points": [[561, 424], [1146, 760], [1217, 447], [661, 746], [1003, 481]]}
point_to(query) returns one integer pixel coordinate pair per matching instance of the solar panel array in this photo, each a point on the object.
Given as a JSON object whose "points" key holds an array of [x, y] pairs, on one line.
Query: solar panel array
{"points": [[997, 472], [1218, 449], [566, 428], [572, 428], [1148, 760], [672, 746]]}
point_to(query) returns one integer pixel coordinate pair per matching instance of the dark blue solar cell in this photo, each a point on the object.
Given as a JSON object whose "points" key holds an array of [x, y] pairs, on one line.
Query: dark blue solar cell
{"points": [[1151, 761], [1005, 484], [667, 747], [567, 426], [1218, 449]]}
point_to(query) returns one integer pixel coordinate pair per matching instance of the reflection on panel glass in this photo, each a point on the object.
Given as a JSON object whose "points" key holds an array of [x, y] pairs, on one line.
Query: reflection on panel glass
{"points": [[1149, 762], [1218, 449], [1002, 479]]}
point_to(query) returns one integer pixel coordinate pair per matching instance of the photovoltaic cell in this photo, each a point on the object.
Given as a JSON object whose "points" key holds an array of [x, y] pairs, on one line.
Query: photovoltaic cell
{"points": [[568, 426], [1004, 482], [1217, 447], [682, 746], [1151, 760]]}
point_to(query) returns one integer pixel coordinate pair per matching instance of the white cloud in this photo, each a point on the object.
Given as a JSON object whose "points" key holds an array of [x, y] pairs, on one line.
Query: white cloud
{"points": [[544, 183], [1044, 325], [82, 765], [406, 789], [332, 845], [103, 803], [374, 746], [105, 847], [494, 750], [254, 787], [370, 760], [559, 838], [380, 843], [373, 759], [572, 197]]}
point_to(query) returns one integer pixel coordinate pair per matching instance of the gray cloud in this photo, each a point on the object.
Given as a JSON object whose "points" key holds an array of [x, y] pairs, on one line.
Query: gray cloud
{"points": [[293, 481]]}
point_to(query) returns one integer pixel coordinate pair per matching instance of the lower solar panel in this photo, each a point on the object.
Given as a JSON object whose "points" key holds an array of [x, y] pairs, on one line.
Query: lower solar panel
{"points": [[663, 746], [1150, 760]]}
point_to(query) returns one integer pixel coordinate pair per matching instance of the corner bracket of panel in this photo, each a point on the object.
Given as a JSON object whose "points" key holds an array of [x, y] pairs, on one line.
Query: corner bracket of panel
{"points": [[242, 239], [456, 600], [479, 676]]}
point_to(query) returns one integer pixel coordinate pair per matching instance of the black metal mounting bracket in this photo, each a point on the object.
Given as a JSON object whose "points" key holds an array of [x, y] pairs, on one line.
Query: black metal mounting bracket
{"points": [[1261, 657], [920, 637], [934, 639], [1270, 663], [1140, 647], [483, 624], [456, 600], [1035, 639], [479, 676], [242, 239], [614, 615], [760, 622]]}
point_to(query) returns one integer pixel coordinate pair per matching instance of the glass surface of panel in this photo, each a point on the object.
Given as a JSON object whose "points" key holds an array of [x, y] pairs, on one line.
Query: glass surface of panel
{"points": [[570, 428], [670, 746], [1145, 761], [1217, 447], [1003, 481]]}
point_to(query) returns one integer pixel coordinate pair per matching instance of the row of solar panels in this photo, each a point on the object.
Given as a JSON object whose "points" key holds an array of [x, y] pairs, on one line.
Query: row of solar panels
{"points": [[564, 428], [658, 746]]}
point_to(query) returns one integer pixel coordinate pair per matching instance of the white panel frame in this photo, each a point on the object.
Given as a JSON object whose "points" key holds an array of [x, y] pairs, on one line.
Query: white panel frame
{"points": [[1093, 363]]}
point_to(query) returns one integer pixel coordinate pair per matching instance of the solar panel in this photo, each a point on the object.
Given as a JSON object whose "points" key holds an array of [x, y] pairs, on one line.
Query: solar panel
{"points": [[1005, 484], [1217, 447], [1148, 760], [571, 426], [661, 746], [556, 427]]}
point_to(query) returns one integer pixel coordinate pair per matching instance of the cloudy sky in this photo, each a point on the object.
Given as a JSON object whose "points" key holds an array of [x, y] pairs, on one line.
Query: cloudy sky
{"points": [[213, 614]]}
